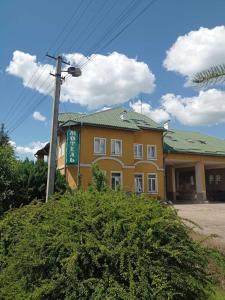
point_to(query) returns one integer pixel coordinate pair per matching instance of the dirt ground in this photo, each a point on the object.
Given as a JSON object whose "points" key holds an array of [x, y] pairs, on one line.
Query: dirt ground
{"points": [[210, 217]]}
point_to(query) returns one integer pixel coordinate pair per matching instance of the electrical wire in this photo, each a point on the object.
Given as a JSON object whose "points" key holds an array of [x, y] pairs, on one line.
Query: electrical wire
{"points": [[94, 26], [124, 28], [27, 113], [76, 10], [74, 25], [113, 26]]}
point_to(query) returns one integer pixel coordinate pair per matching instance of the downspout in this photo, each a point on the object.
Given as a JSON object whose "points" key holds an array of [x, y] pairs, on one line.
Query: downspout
{"points": [[164, 165], [78, 164]]}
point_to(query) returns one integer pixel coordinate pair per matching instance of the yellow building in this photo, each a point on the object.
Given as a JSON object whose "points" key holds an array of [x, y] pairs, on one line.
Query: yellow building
{"points": [[138, 155]]}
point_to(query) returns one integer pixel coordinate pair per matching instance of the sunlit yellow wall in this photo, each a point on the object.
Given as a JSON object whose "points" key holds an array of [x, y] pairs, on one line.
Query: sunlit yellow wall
{"points": [[126, 164]]}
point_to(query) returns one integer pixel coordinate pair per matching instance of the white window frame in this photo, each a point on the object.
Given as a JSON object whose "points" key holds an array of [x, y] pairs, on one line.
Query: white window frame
{"points": [[138, 157], [156, 183], [100, 138], [151, 158], [121, 147], [121, 178], [143, 182]]}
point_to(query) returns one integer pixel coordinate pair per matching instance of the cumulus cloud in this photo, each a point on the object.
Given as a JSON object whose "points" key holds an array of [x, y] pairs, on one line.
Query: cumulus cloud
{"points": [[38, 116], [208, 108], [34, 75], [196, 51], [106, 80], [28, 150], [158, 114]]}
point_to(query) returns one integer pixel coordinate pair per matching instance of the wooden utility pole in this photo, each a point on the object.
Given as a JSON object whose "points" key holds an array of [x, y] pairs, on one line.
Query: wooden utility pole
{"points": [[53, 140], [74, 72]]}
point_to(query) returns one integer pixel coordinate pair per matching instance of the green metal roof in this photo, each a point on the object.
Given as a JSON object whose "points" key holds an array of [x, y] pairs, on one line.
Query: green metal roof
{"points": [[176, 141], [64, 117], [111, 118]]}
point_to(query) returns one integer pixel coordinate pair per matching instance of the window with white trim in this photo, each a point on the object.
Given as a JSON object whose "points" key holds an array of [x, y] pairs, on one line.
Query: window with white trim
{"points": [[138, 151], [116, 147], [152, 183], [99, 145], [151, 152], [139, 183], [116, 180]]}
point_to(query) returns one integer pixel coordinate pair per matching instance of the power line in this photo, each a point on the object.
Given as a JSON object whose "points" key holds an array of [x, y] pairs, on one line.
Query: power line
{"points": [[23, 95], [65, 26], [20, 121], [74, 25], [94, 26], [122, 30], [114, 25]]}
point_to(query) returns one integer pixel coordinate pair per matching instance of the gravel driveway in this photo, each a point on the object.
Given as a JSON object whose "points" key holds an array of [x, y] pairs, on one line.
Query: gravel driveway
{"points": [[211, 217]]}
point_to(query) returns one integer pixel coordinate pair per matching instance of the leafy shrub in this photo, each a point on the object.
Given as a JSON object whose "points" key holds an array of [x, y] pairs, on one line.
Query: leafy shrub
{"points": [[23, 181], [7, 176], [90, 245], [99, 182]]}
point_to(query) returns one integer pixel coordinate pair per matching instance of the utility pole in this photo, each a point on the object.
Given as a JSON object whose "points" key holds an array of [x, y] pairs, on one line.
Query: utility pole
{"points": [[75, 72], [53, 140]]}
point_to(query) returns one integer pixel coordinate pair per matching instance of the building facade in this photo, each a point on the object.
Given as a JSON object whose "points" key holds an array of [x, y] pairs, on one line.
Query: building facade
{"points": [[138, 155]]}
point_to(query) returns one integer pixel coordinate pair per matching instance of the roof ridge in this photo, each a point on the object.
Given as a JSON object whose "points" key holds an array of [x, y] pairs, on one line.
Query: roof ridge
{"points": [[198, 132], [103, 111]]}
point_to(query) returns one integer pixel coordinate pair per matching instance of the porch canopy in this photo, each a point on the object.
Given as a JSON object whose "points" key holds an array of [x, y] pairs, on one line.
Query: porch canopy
{"points": [[195, 167]]}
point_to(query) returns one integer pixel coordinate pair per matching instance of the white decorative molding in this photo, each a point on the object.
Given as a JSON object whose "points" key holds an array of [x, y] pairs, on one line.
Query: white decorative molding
{"points": [[121, 163], [148, 162], [115, 159]]}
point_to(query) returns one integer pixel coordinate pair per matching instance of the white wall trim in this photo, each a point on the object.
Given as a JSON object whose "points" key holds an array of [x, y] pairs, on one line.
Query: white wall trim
{"points": [[148, 162], [121, 163], [109, 158]]}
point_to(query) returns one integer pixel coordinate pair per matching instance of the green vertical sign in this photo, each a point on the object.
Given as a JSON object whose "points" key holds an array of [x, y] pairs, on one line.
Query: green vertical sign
{"points": [[72, 147]]}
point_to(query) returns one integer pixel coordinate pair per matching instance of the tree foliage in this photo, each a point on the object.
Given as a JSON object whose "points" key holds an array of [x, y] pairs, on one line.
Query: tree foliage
{"points": [[23, 181], [7, 176], [4, 138], [99, 182], [99, 246], [31, 181]]}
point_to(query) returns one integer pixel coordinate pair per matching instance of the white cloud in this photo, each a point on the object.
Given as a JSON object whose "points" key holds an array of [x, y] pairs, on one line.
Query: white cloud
{"points": [[28, 150], [106, 80], [38, 116], [158, 114], [196, 51], [208, 108], [34, 75]]}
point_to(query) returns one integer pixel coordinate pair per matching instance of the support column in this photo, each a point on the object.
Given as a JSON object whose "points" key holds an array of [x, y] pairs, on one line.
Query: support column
{"points": [[200, 182], [173, 179], [171, 183]]}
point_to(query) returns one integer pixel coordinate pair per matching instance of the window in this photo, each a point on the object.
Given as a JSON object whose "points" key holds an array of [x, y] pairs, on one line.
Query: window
{"points": [[217, 179], [138, 151], [211, 179], [99, 145], [151, 151], [116, 181], [138, 183], [152, 183], [116, 147]]}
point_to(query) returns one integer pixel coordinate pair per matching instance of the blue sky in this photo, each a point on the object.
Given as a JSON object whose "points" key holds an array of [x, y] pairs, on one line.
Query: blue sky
{"points": [[31, 26]]}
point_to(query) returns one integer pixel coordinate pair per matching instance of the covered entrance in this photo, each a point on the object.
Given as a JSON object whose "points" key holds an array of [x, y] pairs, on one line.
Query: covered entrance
{"points": [[191, 181]]}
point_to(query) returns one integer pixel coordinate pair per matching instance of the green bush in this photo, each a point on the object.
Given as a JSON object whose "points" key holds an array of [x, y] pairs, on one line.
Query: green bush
{"points": [[99, 245]]}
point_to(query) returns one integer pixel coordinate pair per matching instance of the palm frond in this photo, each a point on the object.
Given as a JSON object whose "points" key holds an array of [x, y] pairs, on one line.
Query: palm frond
{"points": [[213, 75]]}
